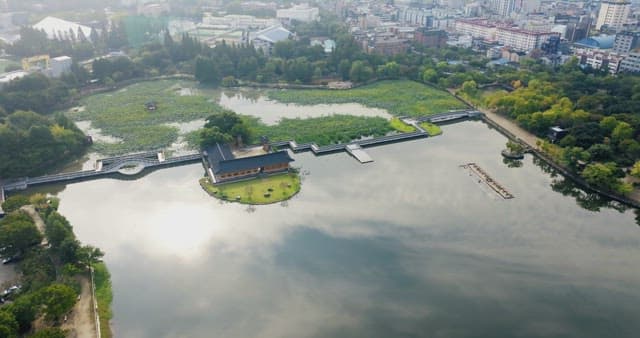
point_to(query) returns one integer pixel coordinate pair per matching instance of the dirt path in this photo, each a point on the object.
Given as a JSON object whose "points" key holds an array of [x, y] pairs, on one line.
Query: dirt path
{"points": [[80, 322], [31, 211]]}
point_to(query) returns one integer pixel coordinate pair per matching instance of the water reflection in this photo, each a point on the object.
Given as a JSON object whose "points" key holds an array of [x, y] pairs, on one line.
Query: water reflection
{"points": [[405, 246], [587, 200], [270, 112]]}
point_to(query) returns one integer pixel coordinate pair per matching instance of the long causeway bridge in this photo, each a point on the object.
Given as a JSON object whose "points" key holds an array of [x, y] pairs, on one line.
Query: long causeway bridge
{"points": [[134, 164]]}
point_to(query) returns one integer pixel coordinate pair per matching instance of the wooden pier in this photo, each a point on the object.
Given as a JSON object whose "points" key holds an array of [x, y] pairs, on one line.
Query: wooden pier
{"points": [[484, 177]]}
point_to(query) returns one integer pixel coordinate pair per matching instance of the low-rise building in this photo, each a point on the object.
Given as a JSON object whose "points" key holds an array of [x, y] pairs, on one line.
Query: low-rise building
{"points": [[223, 166], [431, 38], [626, 41], [631, 64], [302, 13], [60, 65], [265, 39], [56, 28], [599, 59]]}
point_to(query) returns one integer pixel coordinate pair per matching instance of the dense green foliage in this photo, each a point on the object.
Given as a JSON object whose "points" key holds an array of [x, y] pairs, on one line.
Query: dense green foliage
{"points": [[322, 130], [18, 234], [225, 127], [14, 203], [32, 144], [47, 273], [34, 92], [599, 112], [400, 98]]}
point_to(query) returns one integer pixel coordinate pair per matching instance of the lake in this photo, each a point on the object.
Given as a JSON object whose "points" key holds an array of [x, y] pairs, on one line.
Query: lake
{"points": [[410, 245]]}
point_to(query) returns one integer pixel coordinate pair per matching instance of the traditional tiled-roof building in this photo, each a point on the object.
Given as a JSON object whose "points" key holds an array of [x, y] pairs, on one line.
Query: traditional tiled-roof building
{"points": [[223, 166]]}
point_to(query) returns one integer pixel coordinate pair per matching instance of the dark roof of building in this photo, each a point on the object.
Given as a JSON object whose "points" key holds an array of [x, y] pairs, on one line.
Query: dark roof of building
{"points": [[218, 153], [222, 161]]}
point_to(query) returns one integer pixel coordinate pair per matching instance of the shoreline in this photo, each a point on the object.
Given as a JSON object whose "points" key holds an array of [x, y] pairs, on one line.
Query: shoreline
{"points": [[516, 133]]}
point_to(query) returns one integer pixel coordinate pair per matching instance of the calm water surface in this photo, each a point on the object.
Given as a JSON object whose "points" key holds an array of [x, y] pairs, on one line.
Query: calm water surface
{"points": [[407, 246]]}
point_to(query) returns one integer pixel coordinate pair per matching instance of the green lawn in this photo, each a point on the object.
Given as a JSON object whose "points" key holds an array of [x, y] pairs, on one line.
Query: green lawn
{"points": [[432, 129], [400, 126], [122, 114], [267, 190], [400, 98]]}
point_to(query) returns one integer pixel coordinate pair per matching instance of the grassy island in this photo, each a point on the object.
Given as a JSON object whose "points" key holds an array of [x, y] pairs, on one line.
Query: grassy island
{"points": [[267, 190]]}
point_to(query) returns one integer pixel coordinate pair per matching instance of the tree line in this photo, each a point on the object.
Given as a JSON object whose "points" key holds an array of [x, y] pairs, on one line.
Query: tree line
{"points": [[48, 286]]}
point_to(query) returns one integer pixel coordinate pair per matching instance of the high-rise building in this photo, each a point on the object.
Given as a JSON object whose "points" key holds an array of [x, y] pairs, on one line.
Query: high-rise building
{"points": [[503, 7], [613, 14]]}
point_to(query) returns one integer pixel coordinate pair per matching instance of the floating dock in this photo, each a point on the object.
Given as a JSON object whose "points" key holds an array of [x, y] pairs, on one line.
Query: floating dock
{"points": [[356, 151], [484, 177]]}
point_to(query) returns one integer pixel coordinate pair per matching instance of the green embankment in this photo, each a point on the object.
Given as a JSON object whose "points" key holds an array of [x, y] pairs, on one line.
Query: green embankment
{"points": [[400, 126], [104, 296], [268, 190], [431, 129], [123, 114], [400, 98]]}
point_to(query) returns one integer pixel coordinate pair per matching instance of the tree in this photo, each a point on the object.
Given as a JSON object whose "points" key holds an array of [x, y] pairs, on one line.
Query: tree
{"points": [[57, 299], [635, 170], [8, 325], [470, 88], [621, 132], [16, 236], [360, 72], [603, 176], [390, 70], [14, 203], [50, 332]]}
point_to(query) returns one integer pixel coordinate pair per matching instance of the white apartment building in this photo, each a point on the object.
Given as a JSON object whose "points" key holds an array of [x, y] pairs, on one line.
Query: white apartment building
{"points": [[522, 40], [613, 13], [302, 13], [631, 64], [476, 28], [518, 39], [599, 59]]}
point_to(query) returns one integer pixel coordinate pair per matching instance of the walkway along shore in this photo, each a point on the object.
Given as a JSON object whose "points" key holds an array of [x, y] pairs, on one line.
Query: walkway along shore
{"points": [[510, 129]]}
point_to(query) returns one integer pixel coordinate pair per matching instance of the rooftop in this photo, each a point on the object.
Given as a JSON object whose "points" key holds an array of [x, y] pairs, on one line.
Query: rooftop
{"points": [[222, 160], [55, 27], [273, 34]]}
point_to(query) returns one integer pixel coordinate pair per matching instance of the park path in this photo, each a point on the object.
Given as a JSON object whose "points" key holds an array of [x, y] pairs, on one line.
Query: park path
{"points": [[79, 322], [35, 216]]}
